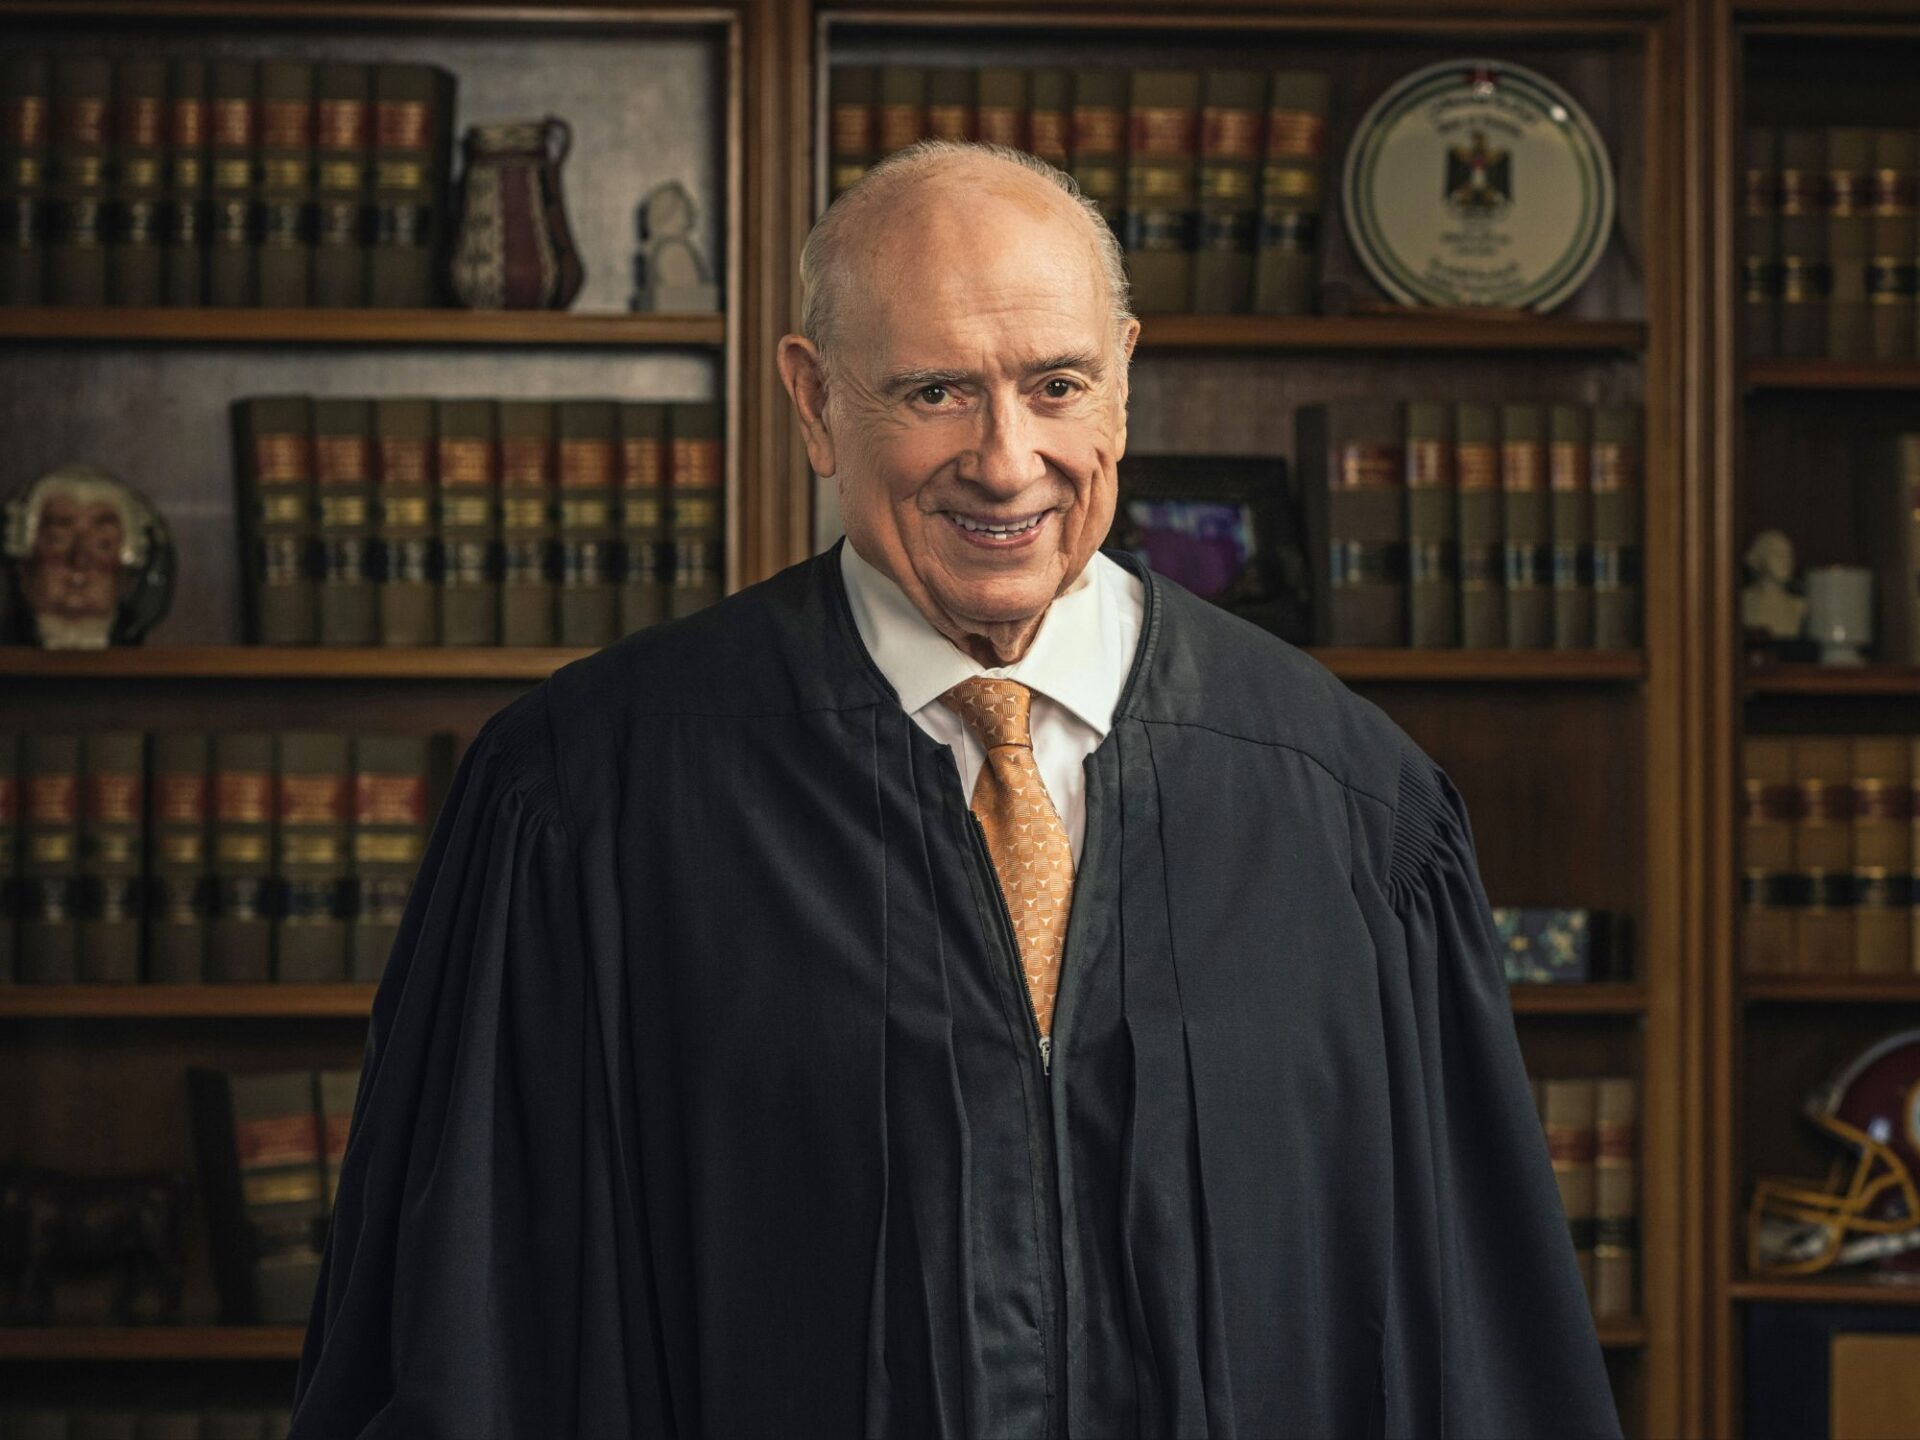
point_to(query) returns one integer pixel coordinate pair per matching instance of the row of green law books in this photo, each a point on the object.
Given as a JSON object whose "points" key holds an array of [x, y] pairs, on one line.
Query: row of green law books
{"points": [[1435, 524], [1214, 180], [210, 180], [410, 521], [1593, 1141], [190, 858], [146, 1422]]}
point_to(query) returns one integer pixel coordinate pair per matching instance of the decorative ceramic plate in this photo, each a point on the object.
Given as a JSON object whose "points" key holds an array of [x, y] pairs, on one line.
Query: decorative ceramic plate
{"points": [[1478, 182]]}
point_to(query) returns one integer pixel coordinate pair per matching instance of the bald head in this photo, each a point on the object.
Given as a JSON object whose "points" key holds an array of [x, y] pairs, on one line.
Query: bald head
{"points": [[939, 190]]}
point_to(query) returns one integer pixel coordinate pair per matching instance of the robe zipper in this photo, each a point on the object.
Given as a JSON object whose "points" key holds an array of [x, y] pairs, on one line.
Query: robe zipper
{"points": [[1044, 1042]]}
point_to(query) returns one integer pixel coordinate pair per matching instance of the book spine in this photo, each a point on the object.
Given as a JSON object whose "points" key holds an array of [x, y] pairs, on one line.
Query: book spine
{"points": [[1001, 118], [853, 115], [1570, 1142], [112, 860], [588, 609], [82, 157], [26, 110], [1882, 855], [1570, 500], [697, 493], [343, 120], [273, 462], [1433, 587], [1616, 1198], [1849, 240], [10, 849], [50, 859], [1823, 856], [1898, 552], [1760, 243], [903, 107], [134, 269], [286, 183], [1891, 275], [1162, 147], [643, 474], [1353, 470], [1476, 469], [951, 91], [1803, 243], [1099, 154], [276, 1139], [1616, 526], [467, 477], [412, 117], [338, 1091], [1292, 184], [1050, 116], [343, 473], [527, 531], [185, 246], [1232, 142], [232, 185], [240, 936], [310, 847], [390, 780], [1527, 522], [180, 895], [1913, 855], [1766, 857], [405, 558]]}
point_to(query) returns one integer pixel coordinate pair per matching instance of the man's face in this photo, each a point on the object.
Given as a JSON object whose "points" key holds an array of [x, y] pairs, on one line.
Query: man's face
{"points": [[75, 567], [977, 409]]}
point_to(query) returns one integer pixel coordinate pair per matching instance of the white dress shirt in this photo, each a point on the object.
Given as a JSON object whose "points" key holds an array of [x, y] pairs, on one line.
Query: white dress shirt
{"points": [[1076, 667]]}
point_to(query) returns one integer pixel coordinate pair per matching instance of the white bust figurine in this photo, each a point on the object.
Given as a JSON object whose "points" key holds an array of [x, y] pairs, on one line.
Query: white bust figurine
{"points": [[1766, 604]]}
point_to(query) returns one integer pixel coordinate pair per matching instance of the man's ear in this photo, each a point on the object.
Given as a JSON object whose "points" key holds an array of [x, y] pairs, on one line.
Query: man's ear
{"points": [[1127, 341], [805, 376]]}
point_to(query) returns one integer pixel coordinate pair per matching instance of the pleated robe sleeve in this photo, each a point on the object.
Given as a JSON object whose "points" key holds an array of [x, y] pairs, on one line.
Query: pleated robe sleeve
{"points": [[476, 1285], [1489, 1334]]}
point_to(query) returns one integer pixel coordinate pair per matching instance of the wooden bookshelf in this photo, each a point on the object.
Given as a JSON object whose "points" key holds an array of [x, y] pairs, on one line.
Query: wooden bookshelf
{"points": [[1385, 332], [544, 328], [1824, 1292], [151, 1342], [1834, 680], [185, 1002], [1831, 989], [1832, 375]]}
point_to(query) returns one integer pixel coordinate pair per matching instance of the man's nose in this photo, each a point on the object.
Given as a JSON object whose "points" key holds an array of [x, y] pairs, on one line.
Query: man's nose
{"points": [[1006, 461]]}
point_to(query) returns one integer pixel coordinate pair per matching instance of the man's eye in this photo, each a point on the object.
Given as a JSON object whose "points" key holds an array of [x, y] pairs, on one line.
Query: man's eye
{"points": [[1066, 388], [932, 394]]}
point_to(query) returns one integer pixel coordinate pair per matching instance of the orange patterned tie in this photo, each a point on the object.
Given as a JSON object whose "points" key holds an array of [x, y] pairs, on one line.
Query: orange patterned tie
{"points": [[1025, 839]]}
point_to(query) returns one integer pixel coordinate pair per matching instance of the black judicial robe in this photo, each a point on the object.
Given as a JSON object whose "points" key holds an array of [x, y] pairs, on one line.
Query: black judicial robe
{"points": [[702, 1095]]}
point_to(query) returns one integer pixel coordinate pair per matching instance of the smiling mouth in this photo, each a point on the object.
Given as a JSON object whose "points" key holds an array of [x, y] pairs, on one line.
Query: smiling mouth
{"points": [[995, 529]]}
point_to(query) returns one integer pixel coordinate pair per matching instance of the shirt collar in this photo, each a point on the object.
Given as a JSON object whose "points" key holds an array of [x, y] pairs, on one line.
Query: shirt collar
{"points": [[1073, 660]]}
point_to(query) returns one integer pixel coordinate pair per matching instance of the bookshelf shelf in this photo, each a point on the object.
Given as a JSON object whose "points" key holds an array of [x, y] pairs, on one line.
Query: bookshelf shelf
{"points": [[1831, 989], [151, 1342], [206, 326], [1835, 680], [1498, 665], [1833, 375], [1622, 1334], [257, 1002], [1598, 998], [1825, 1292], [1385, 332]]}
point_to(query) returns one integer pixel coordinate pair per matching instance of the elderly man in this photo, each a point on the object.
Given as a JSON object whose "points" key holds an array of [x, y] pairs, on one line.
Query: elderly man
{"points": [[962, 986]]}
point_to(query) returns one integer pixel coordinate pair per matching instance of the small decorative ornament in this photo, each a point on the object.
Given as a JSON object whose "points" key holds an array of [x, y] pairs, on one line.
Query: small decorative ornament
{"points": [[1840, 612], [668, 273], [1478, 183], [513, 248], [1770, 609], [90, 562]]}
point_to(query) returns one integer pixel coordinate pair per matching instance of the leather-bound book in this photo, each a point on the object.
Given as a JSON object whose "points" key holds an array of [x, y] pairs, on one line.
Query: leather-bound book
{"points": [[1892, 498], [343, 473], [1823, 855], [180, 891], [853, 117], [1163, 113], [257, 1141], [286, 183], [1483, 566], [951, 93], [1050, 116], [338, 1090], [1759, 231], [1617, 450], [26, 127], [1099, 157], [1616, 1197], [412, 155], [903, 108], [82, 161], [1882, 854], [1433, 586], [112, 860], [528, 534], [1352, 461], [1292, 194], [1891, 280], [233, 183], [1527, 523], [1570, 1142], [311, 840], [1001, 117], [1233, 125], [50, 859], [696, 486], [1803, 242], [240, 939], [184, 248], [1570, 503], [589, 612], [467, 476], [408, 591], [342, 132], [9, 857], [1767, 883], [1849, 240], [134, 263], [643, 515], [1913, 853], [390, 819], [273, 461]]}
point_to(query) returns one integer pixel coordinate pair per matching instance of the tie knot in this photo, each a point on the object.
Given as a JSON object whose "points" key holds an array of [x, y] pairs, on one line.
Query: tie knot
{"points": [[994, 710]]}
